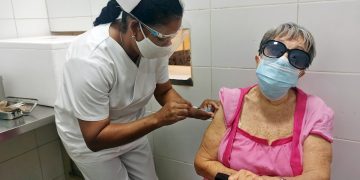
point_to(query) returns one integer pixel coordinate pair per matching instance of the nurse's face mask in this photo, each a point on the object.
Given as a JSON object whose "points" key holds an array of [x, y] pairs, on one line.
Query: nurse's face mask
{"points": [[276, 73], [151, 50]]}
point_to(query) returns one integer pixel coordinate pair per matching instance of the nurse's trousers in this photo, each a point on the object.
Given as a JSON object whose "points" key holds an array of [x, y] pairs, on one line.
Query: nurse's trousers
{"points": [[137, 164]]}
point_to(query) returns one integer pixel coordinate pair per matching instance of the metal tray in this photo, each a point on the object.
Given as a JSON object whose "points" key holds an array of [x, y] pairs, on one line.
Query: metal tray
{"points": [[11, 115], [28, 104]]}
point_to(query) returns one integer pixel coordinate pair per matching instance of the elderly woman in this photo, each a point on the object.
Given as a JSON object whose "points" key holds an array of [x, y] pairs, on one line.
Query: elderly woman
{"points": [[271, 130]]}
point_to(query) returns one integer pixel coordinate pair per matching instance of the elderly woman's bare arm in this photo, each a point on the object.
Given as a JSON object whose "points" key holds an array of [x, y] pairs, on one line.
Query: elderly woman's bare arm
{"points": [[317, 160], [206, 163]]}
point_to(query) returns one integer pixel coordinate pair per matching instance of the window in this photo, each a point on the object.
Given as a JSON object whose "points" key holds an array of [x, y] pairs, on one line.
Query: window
{"points": [[180, 63]]}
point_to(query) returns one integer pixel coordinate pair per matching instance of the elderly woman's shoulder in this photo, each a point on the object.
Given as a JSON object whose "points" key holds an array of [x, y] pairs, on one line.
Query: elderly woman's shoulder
{"points": [[229, 95], [236, 91], [229, 90], [316, 104]]}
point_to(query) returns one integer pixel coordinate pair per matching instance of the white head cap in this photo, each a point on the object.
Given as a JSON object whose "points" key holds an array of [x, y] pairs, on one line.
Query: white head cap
{"points": [[128, 5]]}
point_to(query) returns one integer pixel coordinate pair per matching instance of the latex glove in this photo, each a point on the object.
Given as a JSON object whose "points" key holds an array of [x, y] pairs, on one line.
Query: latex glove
{"points": [[206, 110]]}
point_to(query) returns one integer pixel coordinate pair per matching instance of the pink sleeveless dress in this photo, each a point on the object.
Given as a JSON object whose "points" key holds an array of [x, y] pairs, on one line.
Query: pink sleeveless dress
{"points": [[283, 157]]}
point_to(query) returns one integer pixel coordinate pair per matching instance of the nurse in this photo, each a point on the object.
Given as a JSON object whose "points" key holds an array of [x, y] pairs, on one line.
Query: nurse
{"points": [[111, 73]]}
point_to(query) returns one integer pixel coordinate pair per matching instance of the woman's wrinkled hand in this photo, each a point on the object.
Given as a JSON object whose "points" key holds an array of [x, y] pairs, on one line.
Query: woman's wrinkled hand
{"points": [[245, 175]]}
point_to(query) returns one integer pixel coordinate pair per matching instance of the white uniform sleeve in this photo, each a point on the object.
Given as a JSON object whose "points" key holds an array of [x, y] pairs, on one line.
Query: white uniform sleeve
{"points": [[162, 72], [88, 85]]}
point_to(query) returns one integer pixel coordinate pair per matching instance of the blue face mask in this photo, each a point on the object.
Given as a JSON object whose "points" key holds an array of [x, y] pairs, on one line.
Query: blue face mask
{"points": [[275, 77]]}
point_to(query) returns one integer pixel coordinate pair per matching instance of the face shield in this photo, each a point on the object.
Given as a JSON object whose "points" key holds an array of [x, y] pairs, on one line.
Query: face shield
{"points": [[156, 44]]}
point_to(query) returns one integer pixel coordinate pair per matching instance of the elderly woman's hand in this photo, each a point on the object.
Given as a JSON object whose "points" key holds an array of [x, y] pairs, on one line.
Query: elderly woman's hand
{"points": [[245, 175]]}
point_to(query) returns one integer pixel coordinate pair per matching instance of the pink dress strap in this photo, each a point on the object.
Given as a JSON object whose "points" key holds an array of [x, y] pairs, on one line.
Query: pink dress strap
{"points": [[295, 161], [226, 157]]}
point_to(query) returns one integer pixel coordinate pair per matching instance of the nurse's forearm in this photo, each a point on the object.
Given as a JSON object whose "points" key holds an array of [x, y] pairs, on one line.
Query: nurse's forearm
{"points": [[103, 134], [169, 96], [164, 93]]}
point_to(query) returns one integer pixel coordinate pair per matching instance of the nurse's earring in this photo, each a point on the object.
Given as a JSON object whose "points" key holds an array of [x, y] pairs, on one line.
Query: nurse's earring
{"points": [[121, 39]]}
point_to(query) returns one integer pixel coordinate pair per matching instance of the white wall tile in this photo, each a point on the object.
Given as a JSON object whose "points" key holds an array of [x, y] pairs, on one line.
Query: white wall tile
{"points": [[29, 9], [150, 137], [234, 3], [315, 0], [8, 29], [180, 141], [93, 18], [155, 106], [68, 8], [236, 33], [71, 24], [339, 91], [96, 6], [196, 4], [195, 94], [26, 166], [346, 160], [148, 106], [32, 27], [6, 10], [169, 169], [231, 78], [51, 160], [199, 22], [335, 26], [16, 146], [46, 134], [63, 177], [201, 89]]}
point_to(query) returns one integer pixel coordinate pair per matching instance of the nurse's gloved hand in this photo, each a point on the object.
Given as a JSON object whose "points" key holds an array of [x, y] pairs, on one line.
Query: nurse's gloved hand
{"points": [[199, 113], [172, 112], [206, 110], [210, 105]]}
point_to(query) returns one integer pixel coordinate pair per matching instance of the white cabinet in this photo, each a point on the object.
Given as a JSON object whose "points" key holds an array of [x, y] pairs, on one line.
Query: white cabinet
{"points": [[32, 67]]}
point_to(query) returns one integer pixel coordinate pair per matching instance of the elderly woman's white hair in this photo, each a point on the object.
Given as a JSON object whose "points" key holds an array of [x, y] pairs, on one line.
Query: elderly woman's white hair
{"points": [[291, 31]]}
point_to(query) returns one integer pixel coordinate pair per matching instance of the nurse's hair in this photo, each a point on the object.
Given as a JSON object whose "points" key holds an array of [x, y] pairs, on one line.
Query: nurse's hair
{"points": [[150, 12], [291, 31]]}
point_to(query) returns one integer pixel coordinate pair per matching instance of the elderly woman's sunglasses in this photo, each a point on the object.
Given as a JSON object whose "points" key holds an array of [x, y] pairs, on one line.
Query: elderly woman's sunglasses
{"points": [[297, 58]]}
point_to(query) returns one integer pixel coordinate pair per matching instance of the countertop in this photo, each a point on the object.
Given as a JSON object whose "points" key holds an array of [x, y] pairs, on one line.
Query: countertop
{"points": [[40, 116]]}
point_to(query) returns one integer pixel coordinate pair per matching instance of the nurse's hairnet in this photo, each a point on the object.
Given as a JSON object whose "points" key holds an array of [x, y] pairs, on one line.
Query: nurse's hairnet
{"points": [[128, 5]]}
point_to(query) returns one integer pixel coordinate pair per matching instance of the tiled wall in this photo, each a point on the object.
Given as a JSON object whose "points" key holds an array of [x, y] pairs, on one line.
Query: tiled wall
{"points": [[70, 15], [225, 37], [22, 18]]}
